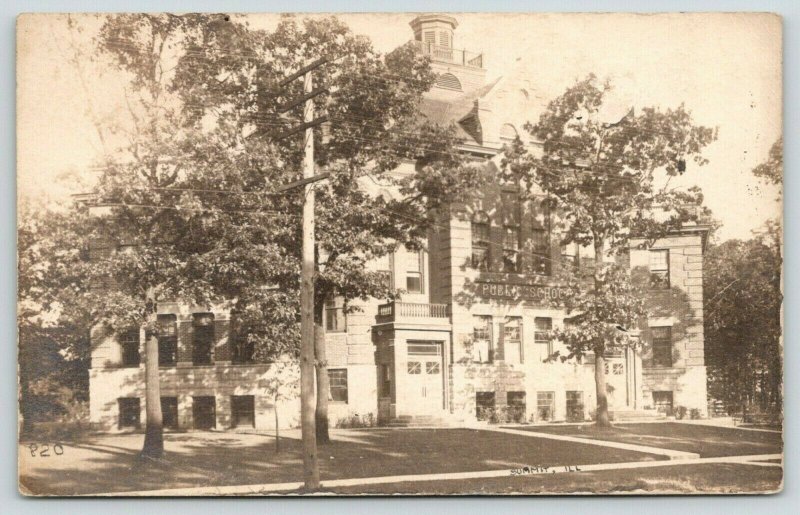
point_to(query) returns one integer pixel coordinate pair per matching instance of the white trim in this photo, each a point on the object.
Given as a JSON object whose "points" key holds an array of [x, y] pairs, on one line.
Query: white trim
{"points": [[661, 322]]}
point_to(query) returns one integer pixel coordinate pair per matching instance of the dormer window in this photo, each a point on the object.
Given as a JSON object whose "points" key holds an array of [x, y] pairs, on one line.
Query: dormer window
{"points": [[508, 133]]}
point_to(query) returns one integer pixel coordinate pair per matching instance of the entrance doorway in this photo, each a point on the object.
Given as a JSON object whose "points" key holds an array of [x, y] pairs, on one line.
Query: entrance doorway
{"points": [[616, 381], [426, 377]]}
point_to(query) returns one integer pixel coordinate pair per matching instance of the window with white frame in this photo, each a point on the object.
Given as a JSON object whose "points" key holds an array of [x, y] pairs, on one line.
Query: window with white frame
{"points": [[383, 265], [659, 270], [480, 241], [542, 335], [511, 231], [338, 382], [414, 277], [482, 338], [512, 340], [335, 317], [661, 338]]}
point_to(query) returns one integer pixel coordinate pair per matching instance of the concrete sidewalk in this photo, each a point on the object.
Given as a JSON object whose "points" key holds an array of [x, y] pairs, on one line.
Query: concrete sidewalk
{"points": [[669, 453], [277, 488]]}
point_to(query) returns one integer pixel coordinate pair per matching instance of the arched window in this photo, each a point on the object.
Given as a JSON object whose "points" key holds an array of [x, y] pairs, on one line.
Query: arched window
{"points": [[480, 241], [448, 81], [508, 132]]}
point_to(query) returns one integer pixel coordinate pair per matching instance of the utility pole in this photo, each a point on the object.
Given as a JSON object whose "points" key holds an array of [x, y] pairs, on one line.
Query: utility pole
{"points": [[307, 354], [307, 368]]}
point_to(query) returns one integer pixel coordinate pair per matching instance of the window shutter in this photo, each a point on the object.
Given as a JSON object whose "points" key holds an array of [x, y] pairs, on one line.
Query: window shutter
{"points": [[499, 353], [521, 342]]}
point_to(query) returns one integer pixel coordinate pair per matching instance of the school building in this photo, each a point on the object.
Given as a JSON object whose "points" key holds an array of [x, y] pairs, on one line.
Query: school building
{"points": [[470, 338]]}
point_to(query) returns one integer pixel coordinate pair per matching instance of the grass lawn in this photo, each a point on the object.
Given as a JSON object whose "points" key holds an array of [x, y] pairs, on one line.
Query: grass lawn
{"points": [[707, 441], [706, 478], [109, 463]]}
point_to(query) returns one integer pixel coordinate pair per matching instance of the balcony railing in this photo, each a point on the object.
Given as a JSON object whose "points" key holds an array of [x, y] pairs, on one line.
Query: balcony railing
{"points": [[395, 310], [450, 55]]}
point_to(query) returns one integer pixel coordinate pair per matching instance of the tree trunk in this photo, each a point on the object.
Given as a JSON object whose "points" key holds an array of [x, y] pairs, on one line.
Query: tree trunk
{"points": [[602, 419], [154, 429], [277, 431], [323, 384]]}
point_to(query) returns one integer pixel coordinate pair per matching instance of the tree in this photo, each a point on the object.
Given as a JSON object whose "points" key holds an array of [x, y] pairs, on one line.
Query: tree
{"points": [[142, 231], [603, 177], [283, 384], [53, 321], [771, 170], [743, 299], [372, 101]]}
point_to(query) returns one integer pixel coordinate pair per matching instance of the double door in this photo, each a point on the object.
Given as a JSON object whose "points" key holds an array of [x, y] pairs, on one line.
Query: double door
{"points": [[426, 377]]}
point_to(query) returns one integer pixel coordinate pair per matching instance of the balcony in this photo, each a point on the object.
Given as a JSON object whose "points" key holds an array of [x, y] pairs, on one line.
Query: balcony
{"points": [[450, 55], [413, 313]]}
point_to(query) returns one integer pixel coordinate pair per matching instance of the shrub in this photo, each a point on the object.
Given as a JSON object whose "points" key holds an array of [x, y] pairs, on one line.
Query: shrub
{"points": [[356, 421], [680, 412], [575, 413], [694, 414], [502, 414]]}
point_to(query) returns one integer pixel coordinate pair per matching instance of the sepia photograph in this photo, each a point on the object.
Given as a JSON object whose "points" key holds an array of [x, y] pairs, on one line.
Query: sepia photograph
{"points": [[418, 254]]}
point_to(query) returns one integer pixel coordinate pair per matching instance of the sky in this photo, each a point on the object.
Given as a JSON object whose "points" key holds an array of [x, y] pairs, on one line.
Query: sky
{"points": [[725, 68]]}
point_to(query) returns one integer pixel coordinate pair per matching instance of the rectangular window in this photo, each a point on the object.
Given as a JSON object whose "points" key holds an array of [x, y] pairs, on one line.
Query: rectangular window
{"points": [[129, 412], [338, 379], [423, 348], [516, 406], [545, 404], [511, 233], [662, 346], [243, 411], [386, 381], [414, 274], [444, 39], [540, 239], [169, 412], [383, 265], [480, 241], [512, 339], [511, 249], [335, 317], [659, 270], [482, 338], [203, 338], [542, 338], [484, 405], [204, 412], [569, 254], [242, 349], [575, 406], [129, 341], [167, 340]]}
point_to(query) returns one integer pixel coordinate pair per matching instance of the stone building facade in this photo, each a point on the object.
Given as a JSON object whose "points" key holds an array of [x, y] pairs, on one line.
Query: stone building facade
{"points": [[469, 338]]}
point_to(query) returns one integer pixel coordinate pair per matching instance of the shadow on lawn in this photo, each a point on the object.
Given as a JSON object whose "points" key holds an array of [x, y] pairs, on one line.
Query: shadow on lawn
{"points": [[111, 464]]}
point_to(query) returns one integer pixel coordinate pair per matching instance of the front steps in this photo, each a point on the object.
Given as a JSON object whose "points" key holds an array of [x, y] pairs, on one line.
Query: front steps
{"points": [[636, 415], [418, 421]]}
